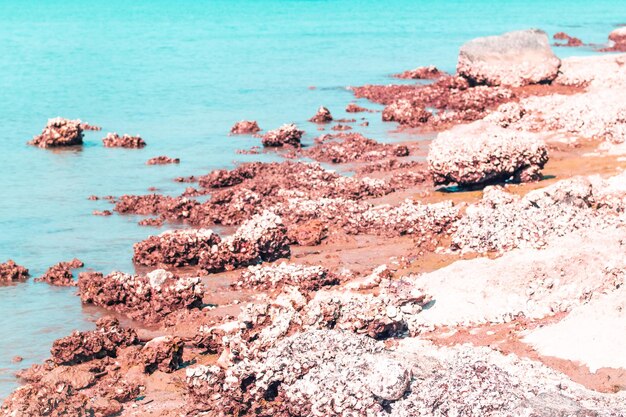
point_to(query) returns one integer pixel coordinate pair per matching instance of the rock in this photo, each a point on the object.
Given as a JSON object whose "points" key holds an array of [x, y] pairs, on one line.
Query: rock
{"points": [[113, 140], [354, 108], [352, 147], [406, 113], [151, 221], [10, 272], [164, 353], [514, 58], [148, 298], [421, 73], [310, 233], [288, 134], [162, 160], [306, 278], [480, 153], [59, 132], [618, 39], [80, 347], [245, 127], [61, 274], [571, 41], [322, 116], [102, 213], [175, 247], [262, 238], [17, 359]]}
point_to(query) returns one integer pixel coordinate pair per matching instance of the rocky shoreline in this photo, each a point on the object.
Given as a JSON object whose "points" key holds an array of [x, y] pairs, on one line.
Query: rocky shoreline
{"points": [[478, 276]]}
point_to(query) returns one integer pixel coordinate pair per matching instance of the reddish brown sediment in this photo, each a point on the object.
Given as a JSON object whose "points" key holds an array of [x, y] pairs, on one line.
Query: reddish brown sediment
{"points": [[421, 73], [61, 274], [12, 272], [245, 127], [162, 160], [59, 132], [113, 140], [570, 40]]}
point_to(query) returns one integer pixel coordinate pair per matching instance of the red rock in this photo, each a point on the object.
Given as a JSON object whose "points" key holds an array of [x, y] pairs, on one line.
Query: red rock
{"points": [[162, 160], [17, 359], [113, 140], [175, 247], [354, 108], [185, 179], [245, 127], [87, 126], [148, 298], [61, 274], [310, 233], [571, 41], [284, 135], [421, 73], [59, 132], [102, 213], [93, 198], [80, 347], [152, 221], [163, 353], [406, 113], [322, 116], [351, 147], [341, 127], [10, 272]]}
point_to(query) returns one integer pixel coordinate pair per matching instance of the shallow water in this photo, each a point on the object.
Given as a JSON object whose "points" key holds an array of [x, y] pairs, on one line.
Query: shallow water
{"points": [[180, 74]]}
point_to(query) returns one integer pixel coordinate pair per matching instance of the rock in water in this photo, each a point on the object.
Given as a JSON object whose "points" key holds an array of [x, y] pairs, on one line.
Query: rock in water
{"points": [[479, 153], [514, 58], [59, 132]]}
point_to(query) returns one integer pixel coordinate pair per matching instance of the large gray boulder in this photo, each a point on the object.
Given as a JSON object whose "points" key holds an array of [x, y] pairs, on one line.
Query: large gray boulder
{"points": [[514, 58]]}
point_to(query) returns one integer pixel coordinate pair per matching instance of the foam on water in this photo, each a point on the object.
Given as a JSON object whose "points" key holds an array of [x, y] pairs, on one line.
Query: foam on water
{"points": [[180, 74]]}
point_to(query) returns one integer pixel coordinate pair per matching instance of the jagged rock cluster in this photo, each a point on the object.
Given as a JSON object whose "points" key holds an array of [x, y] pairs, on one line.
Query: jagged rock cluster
{"points": [[162, 160], [306, 278], [148, 298], [245, 127], [59, 132], [351, 147], [406, 112], [11, 272], [175, 247], [322, 116], [284, 135], [61, 274], [113, 140], [479, 154]]}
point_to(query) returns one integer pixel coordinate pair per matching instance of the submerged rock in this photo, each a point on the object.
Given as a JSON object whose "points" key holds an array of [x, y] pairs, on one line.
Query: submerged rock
{"points": [[421, 73], [481, 153], [10, 272], [245, 127], [288, 134], [59, 132], [571, 41], [113, 140], [61, 273], [162, 160], [514, 58]]}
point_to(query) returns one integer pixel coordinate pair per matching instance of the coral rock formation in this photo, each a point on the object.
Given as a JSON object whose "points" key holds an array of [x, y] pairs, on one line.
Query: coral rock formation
{"points": [[59, 132]]}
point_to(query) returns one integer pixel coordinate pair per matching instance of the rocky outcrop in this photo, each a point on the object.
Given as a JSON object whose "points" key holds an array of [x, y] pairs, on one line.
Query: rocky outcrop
{"points": [[162, 160], [514, 58], [61, 273], [406, 113], [308, 233], [163, 353], [569, 40], [11, 272], [481, 153], [262, 238], [175, 247], [421, 73], [306, 278], [355, 108], [288, 134], [59, 132], [104, 341], [245, 127], [113, 140], [351, 147], [322, 116], [148, 298]]}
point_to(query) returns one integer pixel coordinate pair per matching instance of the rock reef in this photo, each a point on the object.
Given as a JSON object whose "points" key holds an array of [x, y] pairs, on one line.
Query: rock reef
{"points": [[59, 132], [11, 272], [113, 140]]}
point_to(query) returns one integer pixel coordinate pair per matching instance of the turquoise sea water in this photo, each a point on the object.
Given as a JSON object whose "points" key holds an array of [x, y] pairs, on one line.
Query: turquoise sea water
{"points": [[180, 73]]}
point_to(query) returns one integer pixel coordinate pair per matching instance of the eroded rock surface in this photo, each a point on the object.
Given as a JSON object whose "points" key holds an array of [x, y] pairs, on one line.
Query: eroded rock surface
{"points": [[11, 272], [113, 140], [61, 274], [59, 132]]}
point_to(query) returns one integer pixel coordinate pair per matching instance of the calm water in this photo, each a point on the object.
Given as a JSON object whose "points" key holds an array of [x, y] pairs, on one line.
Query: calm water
{"points": [[180, 73]]}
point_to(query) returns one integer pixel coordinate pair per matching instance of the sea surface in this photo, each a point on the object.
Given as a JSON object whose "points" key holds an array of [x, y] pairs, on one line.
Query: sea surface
{"points": [[180, 73]]}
